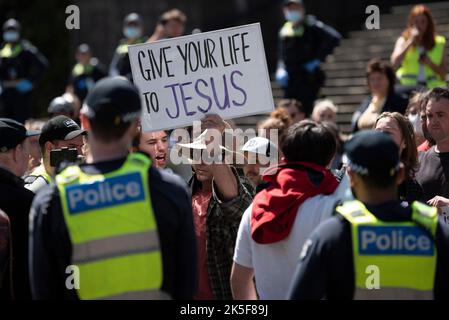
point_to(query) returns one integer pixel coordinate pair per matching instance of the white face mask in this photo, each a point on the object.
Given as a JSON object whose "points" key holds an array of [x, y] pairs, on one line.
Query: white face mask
{"points": [[132, 32], [11, 36], [415, 120], [294, 16]]}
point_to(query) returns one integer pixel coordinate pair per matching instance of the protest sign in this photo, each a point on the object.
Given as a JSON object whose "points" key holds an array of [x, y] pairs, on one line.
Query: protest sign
{"points": [[182, 79]]}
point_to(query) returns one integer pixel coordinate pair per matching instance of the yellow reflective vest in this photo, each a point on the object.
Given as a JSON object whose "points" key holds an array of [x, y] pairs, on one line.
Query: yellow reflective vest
{"points": [[402, 255], [409, 70], [113, 231]]}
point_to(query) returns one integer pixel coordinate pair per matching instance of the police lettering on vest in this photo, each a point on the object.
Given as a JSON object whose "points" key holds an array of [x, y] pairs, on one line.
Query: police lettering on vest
{"points": [[109, 192], [394, 240]]}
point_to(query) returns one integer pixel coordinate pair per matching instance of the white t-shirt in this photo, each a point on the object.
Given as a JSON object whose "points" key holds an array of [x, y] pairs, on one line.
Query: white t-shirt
{"points": [[274, 264]]}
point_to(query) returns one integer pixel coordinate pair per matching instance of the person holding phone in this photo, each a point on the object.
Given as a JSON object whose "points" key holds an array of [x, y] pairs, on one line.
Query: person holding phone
{"points": [[171, 24], [59, 132], [419, 56]]}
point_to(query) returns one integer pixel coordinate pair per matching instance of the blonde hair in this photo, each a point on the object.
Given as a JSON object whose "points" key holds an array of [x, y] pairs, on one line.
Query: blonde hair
{"points": [[322, 105]]}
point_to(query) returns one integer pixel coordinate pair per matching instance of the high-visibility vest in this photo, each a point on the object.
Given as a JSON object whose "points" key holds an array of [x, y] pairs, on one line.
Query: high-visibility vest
{"points": [[409, 70], [80, 69], [123, 47], [41, 172], [113, 231], [289, 30], [392, 260], [11, 51]]}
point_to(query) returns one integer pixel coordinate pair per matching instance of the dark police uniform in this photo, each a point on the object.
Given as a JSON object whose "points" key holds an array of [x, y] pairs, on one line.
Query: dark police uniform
{"points": [[299, 45], [120, 65], [15, 202], [390, 250], [83, 77], [132, 239], [21, 61]]}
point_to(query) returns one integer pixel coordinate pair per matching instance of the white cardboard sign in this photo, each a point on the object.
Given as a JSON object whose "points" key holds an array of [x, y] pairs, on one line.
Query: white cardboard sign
{"points": [[182, 79]]}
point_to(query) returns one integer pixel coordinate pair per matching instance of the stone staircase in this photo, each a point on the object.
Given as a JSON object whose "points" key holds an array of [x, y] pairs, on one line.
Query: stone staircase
{"points": [[345, 69]]}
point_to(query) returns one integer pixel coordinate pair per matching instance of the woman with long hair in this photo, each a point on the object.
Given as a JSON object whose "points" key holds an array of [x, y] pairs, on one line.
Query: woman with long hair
{"points": [[380, 79], [401, 131], [419, 55]]}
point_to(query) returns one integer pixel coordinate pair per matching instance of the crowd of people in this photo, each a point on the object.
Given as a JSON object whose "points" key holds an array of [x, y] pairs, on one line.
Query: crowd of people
{"points": [[88, 189]]}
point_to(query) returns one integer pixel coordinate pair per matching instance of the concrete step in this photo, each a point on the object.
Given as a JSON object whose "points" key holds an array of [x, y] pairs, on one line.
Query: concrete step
{"points": [[342, 74], [376, 49], [348, 90], [396, 32], [355, 99], [344, 117], [344, 82], [399, 20], [359, 65], [433, 6]]}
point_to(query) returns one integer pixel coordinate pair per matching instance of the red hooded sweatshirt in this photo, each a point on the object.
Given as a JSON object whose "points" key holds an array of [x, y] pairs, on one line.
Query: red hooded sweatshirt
{"points": [[275, 208]]}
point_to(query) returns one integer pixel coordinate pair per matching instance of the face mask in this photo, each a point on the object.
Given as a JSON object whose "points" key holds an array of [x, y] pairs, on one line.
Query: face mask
{"points": [[11, 36], [131, 32], [294, 16]]}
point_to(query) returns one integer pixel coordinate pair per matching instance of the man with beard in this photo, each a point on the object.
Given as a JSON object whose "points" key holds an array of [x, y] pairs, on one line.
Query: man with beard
{"points": [[433, 174]]}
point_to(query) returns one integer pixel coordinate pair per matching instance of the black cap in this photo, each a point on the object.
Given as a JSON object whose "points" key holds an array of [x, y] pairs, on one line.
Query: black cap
{"points": [[60, 128], [373, 153], [287, 2], [113, 99], [13, 133], [11, 24], [60, 105], [133, 18]]}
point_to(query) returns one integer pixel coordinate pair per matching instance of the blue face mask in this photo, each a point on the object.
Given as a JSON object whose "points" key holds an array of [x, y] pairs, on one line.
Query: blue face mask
{"points": [[11, 36], [294, 16], [132, 32]]}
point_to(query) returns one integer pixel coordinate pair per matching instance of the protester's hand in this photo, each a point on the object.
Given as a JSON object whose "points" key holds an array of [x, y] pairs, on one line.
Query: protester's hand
{"points": [[424, 59], [159, 33], [438, 202], [414, 34], [312, 65], [24, 86], [214, 121], [282, 77]]}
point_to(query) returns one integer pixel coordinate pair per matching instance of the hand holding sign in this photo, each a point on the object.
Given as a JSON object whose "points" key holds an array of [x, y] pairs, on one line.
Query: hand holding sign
{"points": [[182, 79]]}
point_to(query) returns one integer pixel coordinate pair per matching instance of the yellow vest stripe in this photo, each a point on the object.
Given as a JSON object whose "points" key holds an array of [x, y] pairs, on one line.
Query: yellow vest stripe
{"points": [[140, 295], [115, 246]]}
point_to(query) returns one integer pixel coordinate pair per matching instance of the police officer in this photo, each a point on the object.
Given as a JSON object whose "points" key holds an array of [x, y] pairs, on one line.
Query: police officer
{"points": [[21, 65], [304, 43], [85, 73], [15, 201], [375, 247], [59, 132], [126, 226], [133, 32]]}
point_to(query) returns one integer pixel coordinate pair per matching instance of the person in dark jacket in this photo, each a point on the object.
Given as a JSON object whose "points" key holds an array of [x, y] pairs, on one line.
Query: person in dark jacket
{"points": [[381, 79], [15, 201], [133, 32], [85, 73], [376, 247], [21, 65], [304, 42], [110, 115]]}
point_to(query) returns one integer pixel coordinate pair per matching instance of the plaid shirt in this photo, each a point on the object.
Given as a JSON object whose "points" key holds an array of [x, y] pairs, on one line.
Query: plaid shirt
{"points": [[222, 225]]}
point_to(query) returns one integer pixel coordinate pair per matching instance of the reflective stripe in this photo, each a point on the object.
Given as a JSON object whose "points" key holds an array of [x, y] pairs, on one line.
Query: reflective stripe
{"points": [[140, 295], [115, 246], [391, 293], [414, 76]]}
